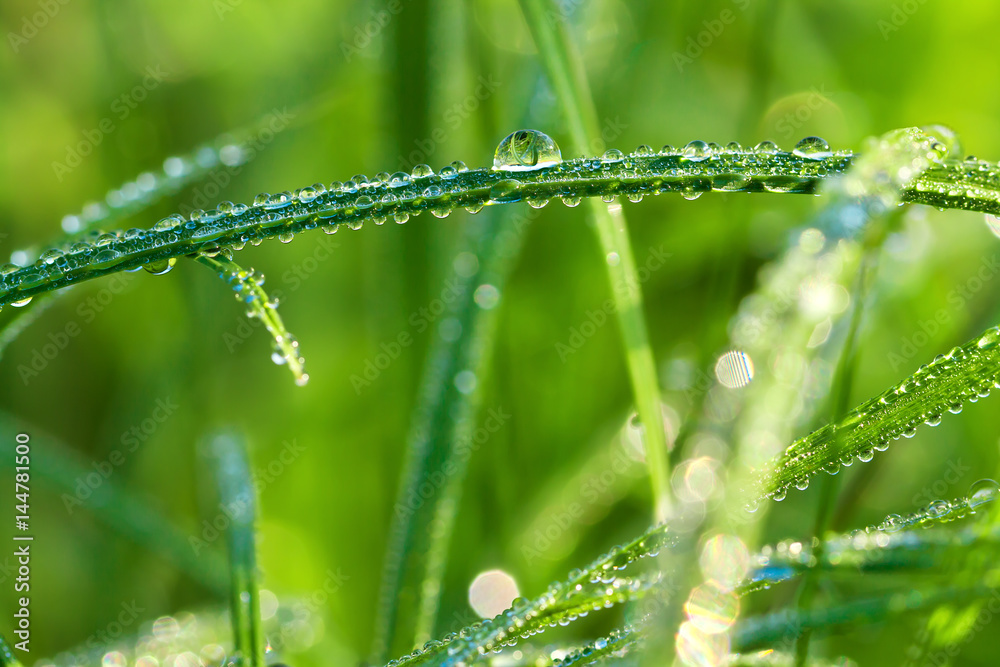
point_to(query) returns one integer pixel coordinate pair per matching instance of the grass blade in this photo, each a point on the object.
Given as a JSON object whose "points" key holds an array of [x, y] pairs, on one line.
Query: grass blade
{"points": [[568, 78], [236, 493]]}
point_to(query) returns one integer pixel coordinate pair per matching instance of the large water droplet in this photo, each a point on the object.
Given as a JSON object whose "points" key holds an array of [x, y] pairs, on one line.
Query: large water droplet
{"points": [[983, 491], [697, 151], [812, 148], [526, 150]]}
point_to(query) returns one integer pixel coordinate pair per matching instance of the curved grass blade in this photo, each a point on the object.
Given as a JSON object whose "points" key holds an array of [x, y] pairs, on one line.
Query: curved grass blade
{"points": [[948, 184], [236, 492], [247, 286], [965, 374]]}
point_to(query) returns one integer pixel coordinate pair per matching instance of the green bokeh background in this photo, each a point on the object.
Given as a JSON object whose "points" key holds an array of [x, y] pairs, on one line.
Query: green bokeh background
{"points": [[777, 70]]}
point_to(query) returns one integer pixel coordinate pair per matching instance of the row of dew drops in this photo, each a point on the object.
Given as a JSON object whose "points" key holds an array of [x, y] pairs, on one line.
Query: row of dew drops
{"points": [[596, 587], [524, 150], [974, 388]]}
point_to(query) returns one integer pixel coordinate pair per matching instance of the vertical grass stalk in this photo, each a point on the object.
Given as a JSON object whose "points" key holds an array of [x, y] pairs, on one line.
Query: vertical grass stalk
{"points": [[236, 493], [568, 78]]}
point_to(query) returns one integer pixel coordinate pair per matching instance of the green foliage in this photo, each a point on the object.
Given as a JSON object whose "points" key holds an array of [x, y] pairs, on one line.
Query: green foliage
{"points": [[717, 579]]}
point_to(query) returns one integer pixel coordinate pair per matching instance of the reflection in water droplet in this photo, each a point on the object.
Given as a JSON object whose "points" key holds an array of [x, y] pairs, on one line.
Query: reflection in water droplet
{"points": [[505, 192], [526, 150], [697, 151], [812, 148], [983, 491], [734, 369]]}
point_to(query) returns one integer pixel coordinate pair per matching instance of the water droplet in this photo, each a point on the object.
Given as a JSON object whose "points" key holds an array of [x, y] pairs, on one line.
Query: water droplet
{"points": [[613, 155], [892, 523], [812, 148], [765, 148], [526, 150], [505, 192], [990, 339], [866, 455], [21, 303], [983, 491], [286, 237], [938, 509], [399, 179], [422, 171], [643, 151], [571, 200], [697, 151], [780, 494], [159, 267]]}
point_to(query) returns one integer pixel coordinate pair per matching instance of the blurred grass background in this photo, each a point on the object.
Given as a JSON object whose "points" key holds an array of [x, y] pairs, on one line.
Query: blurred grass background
{"points": [[437, 82]]}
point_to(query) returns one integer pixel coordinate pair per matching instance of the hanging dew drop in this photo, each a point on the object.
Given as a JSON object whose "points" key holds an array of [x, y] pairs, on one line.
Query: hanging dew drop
{"points": [[812, 148], [158, 268], [505, 192], [526, 150], [21, 303]]}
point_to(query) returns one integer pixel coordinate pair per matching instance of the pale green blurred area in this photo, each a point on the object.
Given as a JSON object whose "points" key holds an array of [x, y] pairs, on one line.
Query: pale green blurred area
{"points": [[777, 70]]}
